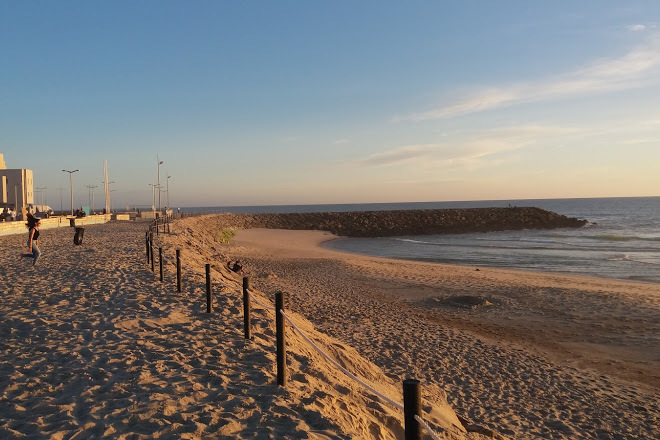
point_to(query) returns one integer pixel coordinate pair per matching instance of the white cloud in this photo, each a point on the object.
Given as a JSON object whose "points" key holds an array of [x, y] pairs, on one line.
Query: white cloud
{"points": [[637, 27], [397, 155], [464, 152], [632, 70], [640, 141]]}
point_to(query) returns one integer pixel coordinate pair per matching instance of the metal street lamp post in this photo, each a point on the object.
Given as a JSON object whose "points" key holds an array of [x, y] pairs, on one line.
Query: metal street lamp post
{"points": [[159, 162], [109, 183], [168, 192], [110, 198], [41, 191], [61, 203], [71, 185], [153, 196], [90, 195]]}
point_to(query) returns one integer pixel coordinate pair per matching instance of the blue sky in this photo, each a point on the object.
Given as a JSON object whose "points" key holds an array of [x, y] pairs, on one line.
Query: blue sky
{"points": [[299, 102]]}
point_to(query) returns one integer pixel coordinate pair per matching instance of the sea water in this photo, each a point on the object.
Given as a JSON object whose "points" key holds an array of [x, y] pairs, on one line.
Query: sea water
{"points": [[621, 240]]}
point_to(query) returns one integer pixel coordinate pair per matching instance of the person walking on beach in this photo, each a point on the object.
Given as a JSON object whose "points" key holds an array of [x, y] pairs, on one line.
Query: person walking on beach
{"points": [[33, 239]]}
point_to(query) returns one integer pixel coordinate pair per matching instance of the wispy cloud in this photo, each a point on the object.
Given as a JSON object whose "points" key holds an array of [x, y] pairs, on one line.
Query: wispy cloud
{"points": [[464, 152], [397, 155], [629, 71], [637, 27], [640, 141], [642, 27]]}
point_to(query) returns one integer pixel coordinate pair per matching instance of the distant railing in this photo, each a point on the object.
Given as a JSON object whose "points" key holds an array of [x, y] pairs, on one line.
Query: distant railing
{"points": [[411, 406], [18, 226]]}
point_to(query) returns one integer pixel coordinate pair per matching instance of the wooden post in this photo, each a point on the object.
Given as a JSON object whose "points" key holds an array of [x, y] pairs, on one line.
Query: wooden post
{"points": [[146, 239], [246, 308], [160, 257], [412, 406], [281, 339], [152, 256], [209, 306], [178, 270]]}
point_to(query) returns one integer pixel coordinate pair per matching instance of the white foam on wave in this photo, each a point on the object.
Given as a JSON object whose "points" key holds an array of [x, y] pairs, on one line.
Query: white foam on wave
{"points": [[626, 257]]}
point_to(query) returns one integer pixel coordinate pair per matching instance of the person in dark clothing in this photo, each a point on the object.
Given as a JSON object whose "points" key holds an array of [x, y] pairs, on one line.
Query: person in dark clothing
{"points": [[236, 267], [33, 224]]}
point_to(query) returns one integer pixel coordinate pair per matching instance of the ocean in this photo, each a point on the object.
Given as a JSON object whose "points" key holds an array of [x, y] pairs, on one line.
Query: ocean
{"points": [[622, 239]]}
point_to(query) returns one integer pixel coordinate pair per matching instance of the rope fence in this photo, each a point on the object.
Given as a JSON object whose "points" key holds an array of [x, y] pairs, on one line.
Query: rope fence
{"points": [[265, 306], [411, 388], [342, 369]]}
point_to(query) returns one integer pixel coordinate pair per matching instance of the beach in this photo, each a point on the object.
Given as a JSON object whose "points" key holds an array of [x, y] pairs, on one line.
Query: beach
{"points": [[528, 354], [95, 346]]}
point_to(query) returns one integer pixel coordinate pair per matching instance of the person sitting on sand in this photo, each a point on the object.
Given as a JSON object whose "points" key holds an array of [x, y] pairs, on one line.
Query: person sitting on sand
{"points": [[236, 267], [33, 224]]}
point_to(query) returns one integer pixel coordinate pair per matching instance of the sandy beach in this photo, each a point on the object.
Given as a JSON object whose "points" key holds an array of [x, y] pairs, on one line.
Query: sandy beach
{"points": [[530, 355], [95, 346]]}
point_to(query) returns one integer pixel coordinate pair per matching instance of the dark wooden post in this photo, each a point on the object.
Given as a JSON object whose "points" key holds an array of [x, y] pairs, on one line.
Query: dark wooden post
{"points": [[281, 340], [146, 239], [151, 246], [209, 306], [156, 223], [178, 270], [246, 308], [412, 406], [160, 257]]}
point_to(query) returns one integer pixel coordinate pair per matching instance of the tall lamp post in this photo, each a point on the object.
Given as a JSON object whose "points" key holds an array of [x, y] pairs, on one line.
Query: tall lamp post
{"points": [[159, 162], [41, 191], [168, 192], [71, 185], [61, 203], [90, 195], [153, 196], [110, 198], [109, 207]]}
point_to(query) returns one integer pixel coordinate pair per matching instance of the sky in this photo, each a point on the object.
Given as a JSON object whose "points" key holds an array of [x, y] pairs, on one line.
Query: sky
{"points": [[308, 102]]}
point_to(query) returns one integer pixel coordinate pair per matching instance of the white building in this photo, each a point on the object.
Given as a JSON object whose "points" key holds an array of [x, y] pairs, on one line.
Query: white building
{"points": [[16, 187]]}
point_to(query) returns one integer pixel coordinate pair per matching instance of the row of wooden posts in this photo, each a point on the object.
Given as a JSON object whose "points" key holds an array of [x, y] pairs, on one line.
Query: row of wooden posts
{"points": [[411, 387]]}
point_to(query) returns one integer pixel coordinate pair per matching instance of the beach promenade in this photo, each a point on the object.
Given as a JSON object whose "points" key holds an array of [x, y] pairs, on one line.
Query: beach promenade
{"points": [[95, 346]]}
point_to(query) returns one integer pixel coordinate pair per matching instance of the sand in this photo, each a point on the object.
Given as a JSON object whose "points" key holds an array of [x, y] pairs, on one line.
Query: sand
{"points": [[95, 346], [527, 354]]}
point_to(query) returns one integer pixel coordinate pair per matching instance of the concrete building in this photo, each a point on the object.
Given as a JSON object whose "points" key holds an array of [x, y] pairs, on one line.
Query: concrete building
{"points": [[16, 187]]}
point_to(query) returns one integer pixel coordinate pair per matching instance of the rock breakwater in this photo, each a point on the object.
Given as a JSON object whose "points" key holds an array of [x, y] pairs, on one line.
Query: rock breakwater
{"points": [[405, 222]]}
